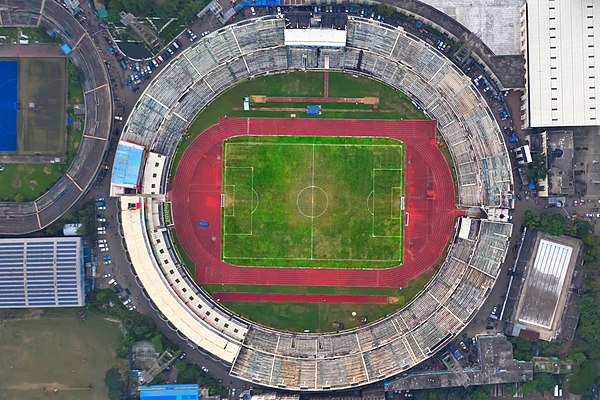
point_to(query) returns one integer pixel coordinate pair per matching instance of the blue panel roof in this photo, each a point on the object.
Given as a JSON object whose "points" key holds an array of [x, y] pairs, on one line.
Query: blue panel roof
{"points": [[169, 392], [128, 162], [37, 274]]}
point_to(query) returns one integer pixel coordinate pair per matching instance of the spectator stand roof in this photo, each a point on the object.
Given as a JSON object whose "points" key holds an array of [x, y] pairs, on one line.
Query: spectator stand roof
{"points": [[315, 37], [127, 166], [169, 392]]}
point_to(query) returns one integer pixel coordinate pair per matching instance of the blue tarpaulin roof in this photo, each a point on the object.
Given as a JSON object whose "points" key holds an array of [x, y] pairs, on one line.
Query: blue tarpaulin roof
{"points": [[169, 392], [65, 48], [128, 162], [313, 110]]}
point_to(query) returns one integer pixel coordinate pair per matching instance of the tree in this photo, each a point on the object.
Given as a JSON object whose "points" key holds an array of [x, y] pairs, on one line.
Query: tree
{"points": [[116, 387], [584, 380], [591, 248], [551, 223], [579, 358], [544, 382], [580, 228], [537, 169]]}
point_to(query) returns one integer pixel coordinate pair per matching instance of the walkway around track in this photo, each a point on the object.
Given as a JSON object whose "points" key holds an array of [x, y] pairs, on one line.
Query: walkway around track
{"points": [[196, 194], [299, 298]]}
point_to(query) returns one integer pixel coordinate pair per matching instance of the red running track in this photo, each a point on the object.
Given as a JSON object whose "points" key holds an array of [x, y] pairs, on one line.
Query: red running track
{"points": [[429, 202], [299, 298]]}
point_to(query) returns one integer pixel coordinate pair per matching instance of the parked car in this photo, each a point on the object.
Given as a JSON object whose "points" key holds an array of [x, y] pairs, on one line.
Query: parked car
{"points": [[463, 345], [107, 276], [106, 258]]}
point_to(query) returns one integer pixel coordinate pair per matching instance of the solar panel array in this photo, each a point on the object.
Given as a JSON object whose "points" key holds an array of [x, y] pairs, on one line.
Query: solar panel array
{"points": [[41, 272]]}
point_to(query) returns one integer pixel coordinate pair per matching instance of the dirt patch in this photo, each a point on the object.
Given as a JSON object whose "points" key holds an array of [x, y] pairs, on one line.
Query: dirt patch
{"points": [[47, 170], [49, 387], [16, 183], [393, 300], [33, 184], [229, 201]]}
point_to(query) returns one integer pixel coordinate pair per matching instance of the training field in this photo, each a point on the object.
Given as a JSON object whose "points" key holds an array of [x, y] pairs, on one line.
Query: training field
{"points": [[313, 201], [42, 99], [52, 349]]}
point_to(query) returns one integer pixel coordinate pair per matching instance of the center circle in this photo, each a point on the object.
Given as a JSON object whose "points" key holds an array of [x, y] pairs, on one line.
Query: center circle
{"points": [[312, 202]]}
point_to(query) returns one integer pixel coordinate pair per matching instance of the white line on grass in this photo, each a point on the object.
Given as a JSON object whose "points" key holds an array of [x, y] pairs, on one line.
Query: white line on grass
{"points": [[312, 212]]}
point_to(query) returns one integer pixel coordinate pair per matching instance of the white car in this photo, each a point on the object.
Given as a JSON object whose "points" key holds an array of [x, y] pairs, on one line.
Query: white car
{"points": [[100, 241], [104, 248], [107, 276], [101, 207], [106, 262], [252, 10]]}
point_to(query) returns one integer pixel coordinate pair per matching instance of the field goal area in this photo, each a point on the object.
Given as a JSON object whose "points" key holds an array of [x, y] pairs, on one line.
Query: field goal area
{"points": [[312, 201]]}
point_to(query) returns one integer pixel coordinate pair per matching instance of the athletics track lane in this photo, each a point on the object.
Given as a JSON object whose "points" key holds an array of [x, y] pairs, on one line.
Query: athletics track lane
{"points": [[429, 201], [299, 298]]}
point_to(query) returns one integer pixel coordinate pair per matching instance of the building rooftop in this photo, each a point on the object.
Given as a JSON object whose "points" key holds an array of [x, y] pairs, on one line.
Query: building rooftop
{"points": [[128, 162], [315, 37], [562, 62], [495, 22], [546, 283], [169, 392], [41, 272]]}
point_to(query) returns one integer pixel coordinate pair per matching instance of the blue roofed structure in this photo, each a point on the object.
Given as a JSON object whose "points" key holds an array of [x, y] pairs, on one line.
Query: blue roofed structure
{"points": [[313, 110], [127, 166], [169, 392], [65, 49], [41, 272]]}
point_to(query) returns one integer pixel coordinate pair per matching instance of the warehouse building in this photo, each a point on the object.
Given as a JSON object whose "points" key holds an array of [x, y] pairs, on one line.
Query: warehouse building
{"points": [[545, 288], [41, 272], [561, 62]]}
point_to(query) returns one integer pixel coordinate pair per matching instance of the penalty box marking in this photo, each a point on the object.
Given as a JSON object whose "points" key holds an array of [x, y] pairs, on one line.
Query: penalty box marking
{"points": [[391, 188], [251, 202], [313, 145]]}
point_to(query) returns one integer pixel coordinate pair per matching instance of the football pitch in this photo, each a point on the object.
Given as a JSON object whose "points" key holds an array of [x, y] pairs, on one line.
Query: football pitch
{"points": [[309, 201], [42, 98]]}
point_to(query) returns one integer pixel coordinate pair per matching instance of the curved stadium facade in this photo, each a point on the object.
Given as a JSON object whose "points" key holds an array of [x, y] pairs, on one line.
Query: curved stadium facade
{"points": [[317, 362]]}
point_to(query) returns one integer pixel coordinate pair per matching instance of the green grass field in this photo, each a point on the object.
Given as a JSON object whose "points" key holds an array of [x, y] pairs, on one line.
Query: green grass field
{"points": [[313, 201], [43, 84], [54, 348], [320, 317]]}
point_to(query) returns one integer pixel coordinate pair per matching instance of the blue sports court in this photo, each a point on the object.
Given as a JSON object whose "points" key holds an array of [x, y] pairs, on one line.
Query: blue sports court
{"points": [[8, 105]]}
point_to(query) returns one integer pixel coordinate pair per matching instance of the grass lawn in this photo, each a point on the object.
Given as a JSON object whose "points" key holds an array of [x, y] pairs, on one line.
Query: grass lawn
{"points": [[39, 35], [183, 256], [27, 182], [10, 34], [320, 317], [54, 348], [42, 81], [283, 208]]}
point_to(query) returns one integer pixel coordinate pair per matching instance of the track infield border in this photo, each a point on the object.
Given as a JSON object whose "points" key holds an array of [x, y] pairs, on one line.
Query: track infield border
{"points": [[426, 236]]}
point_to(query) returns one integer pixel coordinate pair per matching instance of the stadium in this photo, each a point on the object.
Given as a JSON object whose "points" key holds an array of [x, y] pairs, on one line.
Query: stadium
{"points": [[309, 361]]}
